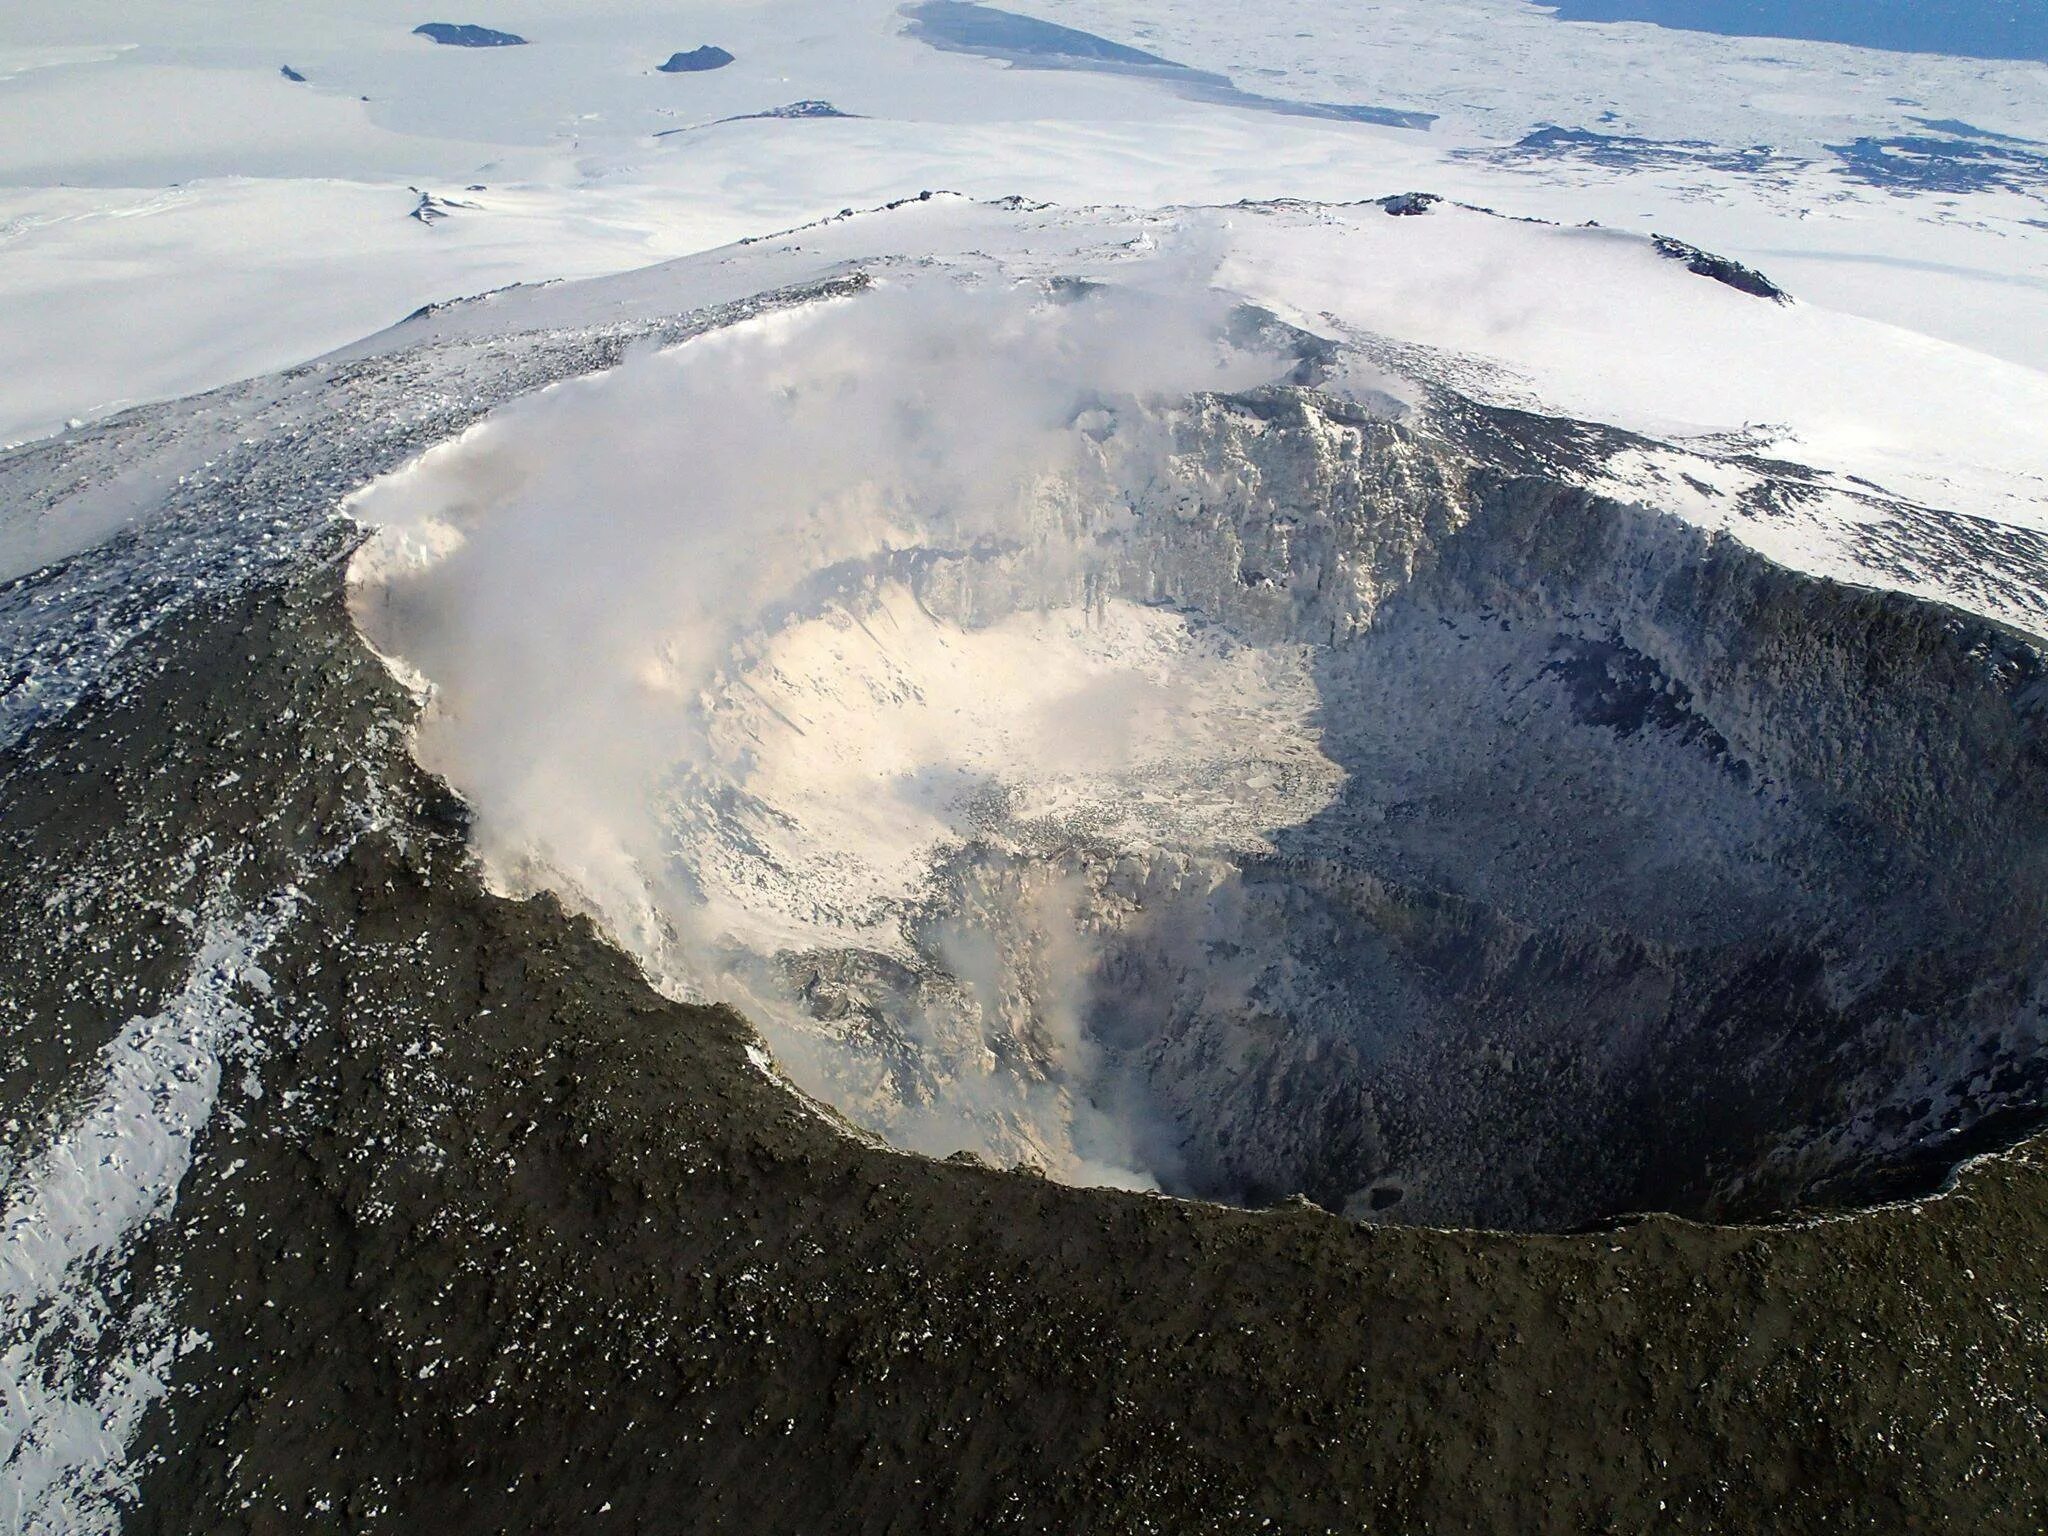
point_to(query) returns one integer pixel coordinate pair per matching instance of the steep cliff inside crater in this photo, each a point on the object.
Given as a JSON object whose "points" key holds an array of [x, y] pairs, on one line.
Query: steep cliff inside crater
{"points": [[1500, 854], [1241, 790]]}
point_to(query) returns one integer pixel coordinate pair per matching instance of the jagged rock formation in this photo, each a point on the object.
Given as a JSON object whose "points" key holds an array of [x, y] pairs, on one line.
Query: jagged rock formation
{"points": [[1720, 269], [696, 61], [431, 209], [794, 109], [467, 35]]}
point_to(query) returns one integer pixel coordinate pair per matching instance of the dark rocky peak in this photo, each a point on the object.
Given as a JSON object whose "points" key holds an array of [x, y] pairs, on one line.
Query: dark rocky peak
{"points": [[797, 109], [467, 35], [431, 209], [696, 61], [1408, 204], [1720, 269]]}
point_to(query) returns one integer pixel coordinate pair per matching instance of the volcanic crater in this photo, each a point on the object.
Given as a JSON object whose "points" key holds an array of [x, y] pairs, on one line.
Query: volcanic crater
{"points": [[1315, 797]]}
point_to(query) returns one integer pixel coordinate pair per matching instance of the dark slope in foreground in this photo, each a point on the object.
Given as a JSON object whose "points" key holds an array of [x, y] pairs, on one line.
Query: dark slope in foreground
{"points": [[506, 1241], [509, 1242]]}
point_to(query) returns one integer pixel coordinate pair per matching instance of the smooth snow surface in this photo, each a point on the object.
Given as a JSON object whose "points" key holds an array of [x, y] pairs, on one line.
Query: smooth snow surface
{"points": [[1584, 322]]}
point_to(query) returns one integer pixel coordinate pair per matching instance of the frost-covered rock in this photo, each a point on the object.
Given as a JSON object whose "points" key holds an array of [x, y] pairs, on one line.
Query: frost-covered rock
{"points": [[1733, 273]]}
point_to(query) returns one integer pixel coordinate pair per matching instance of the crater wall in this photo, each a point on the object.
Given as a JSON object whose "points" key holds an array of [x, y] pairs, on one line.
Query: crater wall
{"points": [[1642, 872]]}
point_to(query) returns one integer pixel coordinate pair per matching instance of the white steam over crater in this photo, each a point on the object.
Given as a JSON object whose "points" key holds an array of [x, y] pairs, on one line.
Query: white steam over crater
{"points": [[788, 652]]}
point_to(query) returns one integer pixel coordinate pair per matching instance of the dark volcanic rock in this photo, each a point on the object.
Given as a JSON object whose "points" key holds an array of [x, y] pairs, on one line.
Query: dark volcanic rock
{"points": [[1408, 204], [696, 61], [519, 1244], [1720, 269], [797, 109], [431, 209], [467, 35]]}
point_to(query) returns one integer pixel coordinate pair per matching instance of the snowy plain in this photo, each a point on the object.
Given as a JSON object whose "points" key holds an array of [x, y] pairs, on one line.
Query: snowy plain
{"points": [[175, 212]]}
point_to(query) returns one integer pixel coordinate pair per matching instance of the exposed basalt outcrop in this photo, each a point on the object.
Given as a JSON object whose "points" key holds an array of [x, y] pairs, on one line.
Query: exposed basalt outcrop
{"points": [[467, 35], [696, 61], [1722, 270], [1407, 205]]}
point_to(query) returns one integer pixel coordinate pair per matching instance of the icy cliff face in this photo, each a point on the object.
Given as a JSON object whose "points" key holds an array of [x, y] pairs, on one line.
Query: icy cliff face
{"points": [[1243, 791]]}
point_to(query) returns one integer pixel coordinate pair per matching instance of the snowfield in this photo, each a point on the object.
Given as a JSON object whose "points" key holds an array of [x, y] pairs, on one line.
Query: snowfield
{"points": [[284, 229]]}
